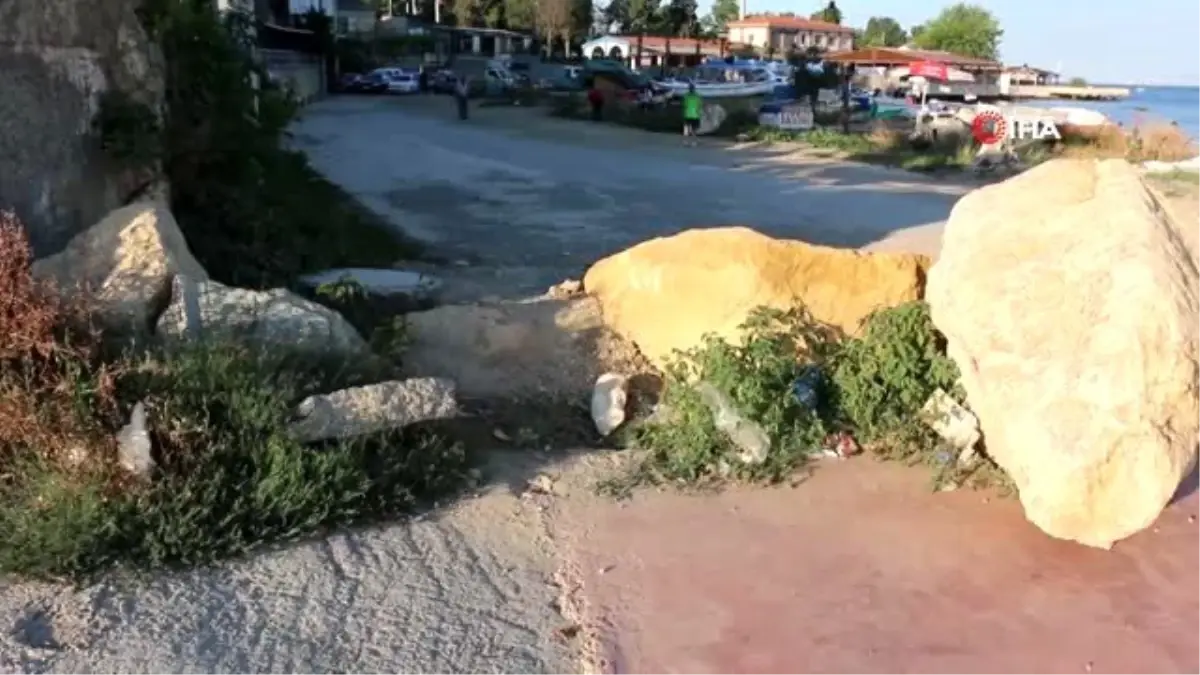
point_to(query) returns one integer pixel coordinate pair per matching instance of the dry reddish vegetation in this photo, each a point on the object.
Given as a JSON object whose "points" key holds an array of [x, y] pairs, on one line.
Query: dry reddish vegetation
{"points": [[1154, 141], [55, 395]]}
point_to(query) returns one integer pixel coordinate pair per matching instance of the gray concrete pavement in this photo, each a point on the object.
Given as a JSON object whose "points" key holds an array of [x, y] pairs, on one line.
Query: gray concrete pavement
{"points": [[470, 590], [532, 200]]}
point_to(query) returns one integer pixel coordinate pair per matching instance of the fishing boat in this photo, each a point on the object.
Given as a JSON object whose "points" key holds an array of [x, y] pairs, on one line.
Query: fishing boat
{"points": [[721, 79]]}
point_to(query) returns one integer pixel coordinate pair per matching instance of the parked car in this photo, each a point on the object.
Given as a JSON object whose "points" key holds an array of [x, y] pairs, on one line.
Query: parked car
{"points": [[350, 82], [375, 83], [403, 83], [443, 82]]}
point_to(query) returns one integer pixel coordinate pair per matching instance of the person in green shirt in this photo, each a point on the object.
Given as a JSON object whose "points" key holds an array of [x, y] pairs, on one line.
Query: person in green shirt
{"points": [[692, 106]]}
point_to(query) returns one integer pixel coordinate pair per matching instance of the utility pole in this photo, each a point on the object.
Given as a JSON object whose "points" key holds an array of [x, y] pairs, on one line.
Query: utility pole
{"points": [[437, 12]]}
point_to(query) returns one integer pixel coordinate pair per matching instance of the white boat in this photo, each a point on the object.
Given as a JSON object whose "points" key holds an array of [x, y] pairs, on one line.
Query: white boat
{"points": [[718, 79], [721, 89]]}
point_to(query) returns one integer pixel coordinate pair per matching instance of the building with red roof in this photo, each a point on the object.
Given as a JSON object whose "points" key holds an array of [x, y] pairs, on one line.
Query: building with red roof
{"points": [[783, 34]]}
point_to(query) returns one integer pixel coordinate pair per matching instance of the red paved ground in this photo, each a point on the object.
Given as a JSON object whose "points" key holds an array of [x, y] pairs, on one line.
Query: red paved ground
{"points": [[861, 569]]}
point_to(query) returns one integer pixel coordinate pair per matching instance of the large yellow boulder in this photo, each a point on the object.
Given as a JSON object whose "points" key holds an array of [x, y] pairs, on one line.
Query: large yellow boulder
{"points": [[1068, 301], [666, 293]]}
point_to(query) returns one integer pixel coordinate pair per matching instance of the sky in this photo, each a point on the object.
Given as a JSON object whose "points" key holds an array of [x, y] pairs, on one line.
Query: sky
{"points": [[1150, 42]]}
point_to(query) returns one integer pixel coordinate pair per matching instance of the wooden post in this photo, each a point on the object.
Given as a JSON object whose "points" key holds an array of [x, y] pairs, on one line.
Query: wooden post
{"points": [[845, 80], [662, 67]]}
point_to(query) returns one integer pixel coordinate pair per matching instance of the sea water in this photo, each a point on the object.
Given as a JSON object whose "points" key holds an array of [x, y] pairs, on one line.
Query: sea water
{"points": [[1145, 105]]}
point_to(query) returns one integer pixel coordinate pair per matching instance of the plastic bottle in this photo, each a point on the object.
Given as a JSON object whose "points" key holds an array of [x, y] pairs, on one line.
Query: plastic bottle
{"points": [[749, 437]]}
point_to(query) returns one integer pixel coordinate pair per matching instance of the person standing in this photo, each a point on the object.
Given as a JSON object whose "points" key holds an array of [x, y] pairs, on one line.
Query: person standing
{"points": [[462, 90], [423, 80], [693, 105], [595, 98]]}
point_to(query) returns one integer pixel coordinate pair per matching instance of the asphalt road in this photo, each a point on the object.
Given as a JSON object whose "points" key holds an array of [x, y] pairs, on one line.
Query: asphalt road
{"points": [[530, 200]]}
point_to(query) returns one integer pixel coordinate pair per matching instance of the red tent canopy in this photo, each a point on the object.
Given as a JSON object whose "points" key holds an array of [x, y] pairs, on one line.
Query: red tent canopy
{"points": [[930, 70]]}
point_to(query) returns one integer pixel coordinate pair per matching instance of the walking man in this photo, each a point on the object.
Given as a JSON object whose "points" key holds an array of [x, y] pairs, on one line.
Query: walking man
{"points": [[462, 89], [692, 107]]}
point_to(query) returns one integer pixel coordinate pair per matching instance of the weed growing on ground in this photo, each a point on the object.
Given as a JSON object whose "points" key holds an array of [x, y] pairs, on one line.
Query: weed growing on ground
{"points": [[229, 475], [757, 376], [873, 386]]}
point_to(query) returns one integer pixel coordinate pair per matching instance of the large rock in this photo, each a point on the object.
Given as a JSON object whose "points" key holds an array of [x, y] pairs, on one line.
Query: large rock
{"points": [[1069, 304], [666, 293], [124, 264], [276, 319], [57, 59]]}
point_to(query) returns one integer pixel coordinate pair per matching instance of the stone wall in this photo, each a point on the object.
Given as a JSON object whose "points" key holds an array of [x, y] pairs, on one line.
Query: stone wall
{"points": [[56, 58]]}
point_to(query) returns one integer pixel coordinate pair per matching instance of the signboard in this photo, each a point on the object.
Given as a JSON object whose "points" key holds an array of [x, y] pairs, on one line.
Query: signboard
{"points": [[788, 116]]}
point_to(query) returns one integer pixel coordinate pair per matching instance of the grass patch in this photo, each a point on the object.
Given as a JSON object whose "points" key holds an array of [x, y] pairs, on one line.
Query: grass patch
{"points": [[873, 387], [1177, 182], [229, 477], [878, 145], [296, 223], [891, 147]]}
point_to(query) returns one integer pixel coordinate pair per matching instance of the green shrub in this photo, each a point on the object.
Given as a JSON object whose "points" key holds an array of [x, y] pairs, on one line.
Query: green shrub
{"points": [[873, 386], [757, 376], [883, 378], [229, 479]]}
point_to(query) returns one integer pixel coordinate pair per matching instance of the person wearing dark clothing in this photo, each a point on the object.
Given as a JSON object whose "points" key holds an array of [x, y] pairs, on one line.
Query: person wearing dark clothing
{"points": [[596, 100], [423, 80], [461, 90]]}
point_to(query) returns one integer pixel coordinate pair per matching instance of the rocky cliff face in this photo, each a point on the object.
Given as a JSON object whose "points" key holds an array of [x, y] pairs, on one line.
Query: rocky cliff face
{"points": [[57, 57]]}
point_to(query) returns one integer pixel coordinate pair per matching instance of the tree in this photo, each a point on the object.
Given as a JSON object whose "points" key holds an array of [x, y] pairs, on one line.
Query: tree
{"points": [[968, 30], [583, 15], [883, 31], [467, 12], [830, 14], [521, 14], [616, 16], [643, 14], [724, 11], [679, 18], [915, 31], [554, 21]]}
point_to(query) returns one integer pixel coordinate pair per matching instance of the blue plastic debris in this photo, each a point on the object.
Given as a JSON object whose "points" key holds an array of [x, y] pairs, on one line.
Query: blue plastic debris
{"points": [[806, 387]]}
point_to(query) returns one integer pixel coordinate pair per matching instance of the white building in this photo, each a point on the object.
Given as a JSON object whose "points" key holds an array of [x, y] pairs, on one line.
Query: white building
{"points": [[677, 51]]}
